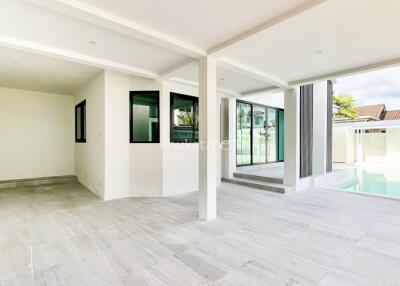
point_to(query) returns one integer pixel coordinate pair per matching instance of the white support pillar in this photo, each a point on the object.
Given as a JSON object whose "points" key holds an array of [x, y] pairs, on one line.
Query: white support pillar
{"points": [[320, 121], [209, 143], [292, 137], [360, 145], [229, 137], [219, 151]]}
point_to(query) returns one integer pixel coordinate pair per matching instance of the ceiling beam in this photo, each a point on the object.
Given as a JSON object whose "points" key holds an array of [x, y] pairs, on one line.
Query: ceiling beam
{"points": [[101, 18], [195, 84], [217, 50], [248, 71], [348, 72], [170, 72], [44, 50], [261, 91]]}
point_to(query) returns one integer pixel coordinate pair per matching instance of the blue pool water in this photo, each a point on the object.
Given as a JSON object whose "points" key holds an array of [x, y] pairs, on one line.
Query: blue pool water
{"points": [[376, 182]]}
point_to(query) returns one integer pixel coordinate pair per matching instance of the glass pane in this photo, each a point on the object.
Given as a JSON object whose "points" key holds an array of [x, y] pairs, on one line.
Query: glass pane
{"points": [[78, 123], [184, 118], [259, 135], [145, 117], [272, 135], [281, 135], [196, 113], [243, 147]]}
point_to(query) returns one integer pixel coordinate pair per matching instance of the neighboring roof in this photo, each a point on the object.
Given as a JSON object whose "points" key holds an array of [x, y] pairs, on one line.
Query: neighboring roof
{"points": [[376, 111], [392, 115]]}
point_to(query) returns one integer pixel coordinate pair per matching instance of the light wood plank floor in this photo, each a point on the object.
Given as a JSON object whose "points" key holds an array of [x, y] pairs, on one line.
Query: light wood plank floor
{"points": [[64, 235]]}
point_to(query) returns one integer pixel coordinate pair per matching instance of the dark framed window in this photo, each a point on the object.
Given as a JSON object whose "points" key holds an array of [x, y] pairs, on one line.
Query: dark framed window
{"points": [[184, 121], [80, 122], [144, 116]]}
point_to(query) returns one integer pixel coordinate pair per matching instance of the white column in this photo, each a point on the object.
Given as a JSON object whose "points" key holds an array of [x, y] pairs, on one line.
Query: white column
{"points": [[320, 121], [292, 137], [360, 146], [219, 151], [229, 137], [208, 127]]}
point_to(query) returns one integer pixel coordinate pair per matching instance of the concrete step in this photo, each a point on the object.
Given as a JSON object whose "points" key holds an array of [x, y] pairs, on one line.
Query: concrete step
{"points": [[258, 178], [267, 186]]}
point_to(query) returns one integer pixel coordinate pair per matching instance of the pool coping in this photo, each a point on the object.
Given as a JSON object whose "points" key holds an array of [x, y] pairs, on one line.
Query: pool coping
{"points": [[361, 193], [348, 180]]}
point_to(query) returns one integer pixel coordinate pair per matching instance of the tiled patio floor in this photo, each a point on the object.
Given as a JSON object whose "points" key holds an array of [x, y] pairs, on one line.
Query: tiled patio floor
{"points": [[64, 235]]}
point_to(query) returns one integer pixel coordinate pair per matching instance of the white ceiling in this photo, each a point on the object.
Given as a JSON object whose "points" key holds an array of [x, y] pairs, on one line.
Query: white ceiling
{"points": [[22, 70], [349, 34], [259, 43], [226, 79], [204, 23], [26, 21]]}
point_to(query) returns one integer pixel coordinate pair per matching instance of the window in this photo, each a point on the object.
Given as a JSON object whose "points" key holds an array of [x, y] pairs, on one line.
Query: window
{"points": [[272, 135], [259, 134], [80, 122], [184, 118], [145, 117], [243, 133]]}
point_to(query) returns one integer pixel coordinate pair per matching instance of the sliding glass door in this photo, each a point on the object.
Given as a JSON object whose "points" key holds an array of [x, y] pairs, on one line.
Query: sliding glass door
{"points": [[259, 134], [281, 136], [272, 135], [243, 134]]}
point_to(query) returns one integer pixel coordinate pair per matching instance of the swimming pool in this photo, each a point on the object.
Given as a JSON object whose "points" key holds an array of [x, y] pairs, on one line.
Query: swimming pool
{"points": [[373, 180]]}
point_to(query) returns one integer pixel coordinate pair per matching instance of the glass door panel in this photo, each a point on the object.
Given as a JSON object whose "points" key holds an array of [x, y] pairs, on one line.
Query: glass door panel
{"points": [[272, 135], [281, 136], [243, 134], [259, 135]]}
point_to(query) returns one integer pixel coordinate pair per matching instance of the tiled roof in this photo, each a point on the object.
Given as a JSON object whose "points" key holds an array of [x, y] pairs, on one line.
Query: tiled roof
{"points": [[392, 115], [376, 111]]}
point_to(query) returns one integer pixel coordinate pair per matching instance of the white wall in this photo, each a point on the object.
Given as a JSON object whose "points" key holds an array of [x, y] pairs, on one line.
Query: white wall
{"points": [[374, 146], [164, 169], [117, 149], [146, 177], [37, 134], [339, 146], [276, 99], [180, 160], [90, 156], [393, 145]]}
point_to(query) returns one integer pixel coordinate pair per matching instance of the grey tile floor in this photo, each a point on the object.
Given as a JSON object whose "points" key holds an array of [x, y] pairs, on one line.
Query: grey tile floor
{"points": [[64, 235]]}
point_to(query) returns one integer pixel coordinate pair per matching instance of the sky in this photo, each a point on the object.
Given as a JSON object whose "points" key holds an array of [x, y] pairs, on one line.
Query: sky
{"points": [[375, 87]]}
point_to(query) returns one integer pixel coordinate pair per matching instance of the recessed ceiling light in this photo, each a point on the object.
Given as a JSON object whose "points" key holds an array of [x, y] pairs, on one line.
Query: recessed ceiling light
{"points": [[92, 42], [318, 52]]}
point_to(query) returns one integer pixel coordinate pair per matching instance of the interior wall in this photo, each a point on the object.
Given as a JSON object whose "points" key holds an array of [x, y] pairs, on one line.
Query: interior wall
{"points": [[146, 158], [180, 160], [90, 156], [37, 134], [117, 149]]}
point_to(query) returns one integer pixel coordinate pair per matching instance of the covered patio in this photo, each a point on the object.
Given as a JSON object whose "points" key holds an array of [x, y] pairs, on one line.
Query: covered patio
{"points": [[65, 235]]}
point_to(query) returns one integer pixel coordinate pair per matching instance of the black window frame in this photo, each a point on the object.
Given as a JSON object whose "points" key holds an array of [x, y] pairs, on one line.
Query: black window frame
{"points": [[82, 107], [195, 104], [131, 96]]}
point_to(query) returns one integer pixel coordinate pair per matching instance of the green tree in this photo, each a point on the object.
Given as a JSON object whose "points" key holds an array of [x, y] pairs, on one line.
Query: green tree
{"points": [[345, 106], [189, 120]]}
